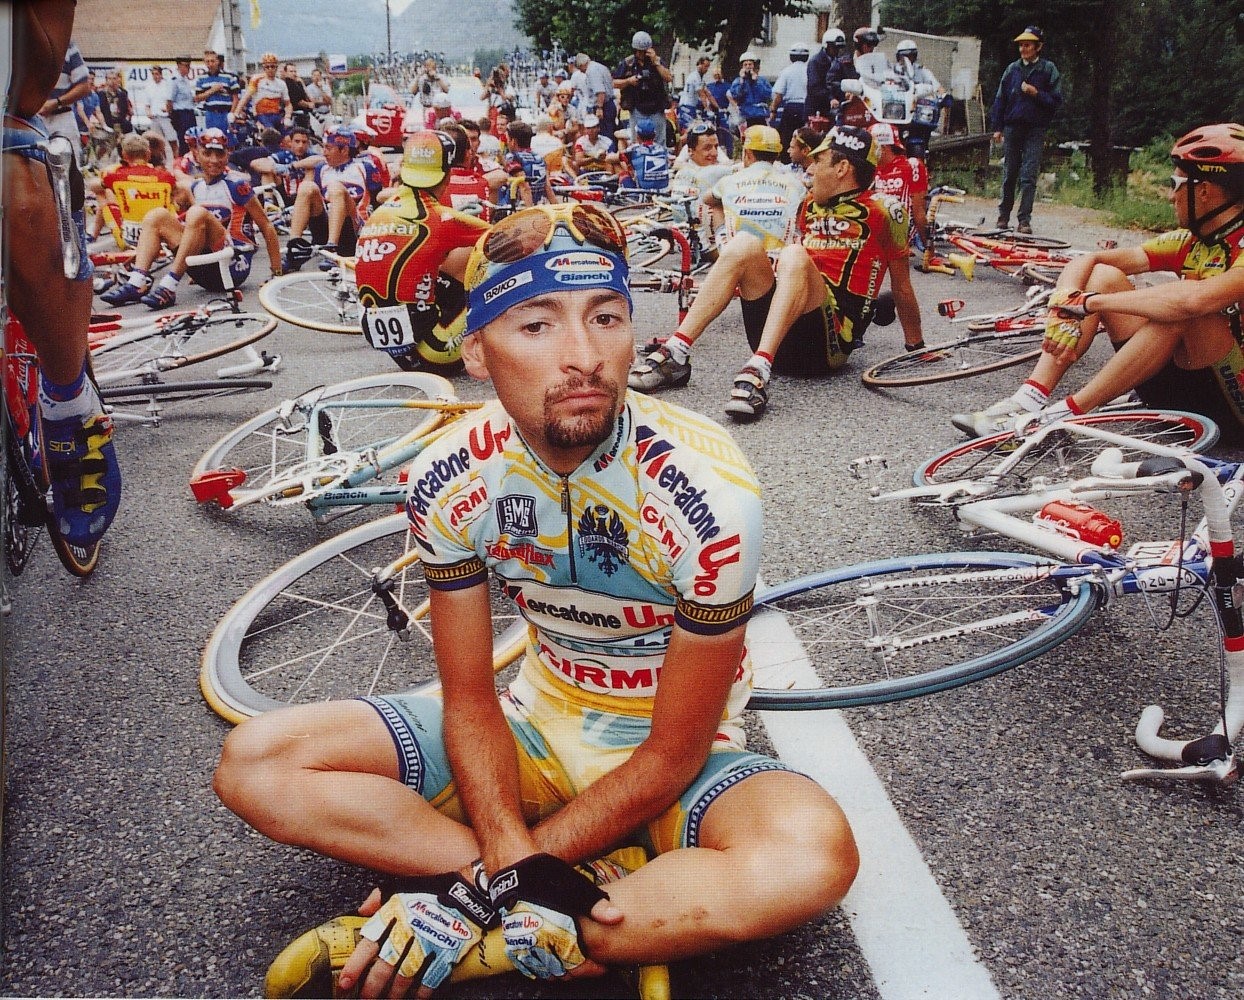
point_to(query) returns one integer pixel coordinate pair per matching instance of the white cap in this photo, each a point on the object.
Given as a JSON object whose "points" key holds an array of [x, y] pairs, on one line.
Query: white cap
{"points": [[590, 121]]}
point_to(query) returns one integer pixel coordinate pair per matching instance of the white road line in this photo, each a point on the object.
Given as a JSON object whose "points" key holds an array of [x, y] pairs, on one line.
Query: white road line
{"points": [[907, 932]]}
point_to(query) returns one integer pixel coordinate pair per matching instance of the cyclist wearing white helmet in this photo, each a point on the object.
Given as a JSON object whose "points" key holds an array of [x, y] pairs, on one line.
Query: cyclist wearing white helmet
{"points": [[642, 83]]}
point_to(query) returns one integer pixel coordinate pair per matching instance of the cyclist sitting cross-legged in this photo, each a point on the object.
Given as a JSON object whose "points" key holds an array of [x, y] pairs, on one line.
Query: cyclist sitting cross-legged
{"points": [[54, 309], [1177, 344], [130, 190], [808, 319], [624, 719], [412, 254], [332, 203], [225, 211]]}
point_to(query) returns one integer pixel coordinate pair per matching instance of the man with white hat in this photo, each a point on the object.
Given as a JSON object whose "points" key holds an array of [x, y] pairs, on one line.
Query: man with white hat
{"points": [[1029, 95], [642, 82]]}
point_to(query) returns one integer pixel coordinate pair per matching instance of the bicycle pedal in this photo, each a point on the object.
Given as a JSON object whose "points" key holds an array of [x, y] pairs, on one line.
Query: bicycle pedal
{"points": [[269, 362], [214, 486]]}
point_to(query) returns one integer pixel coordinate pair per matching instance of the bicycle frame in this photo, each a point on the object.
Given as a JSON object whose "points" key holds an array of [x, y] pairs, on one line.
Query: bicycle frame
{"points": [[1208, 558], [328, 480]]}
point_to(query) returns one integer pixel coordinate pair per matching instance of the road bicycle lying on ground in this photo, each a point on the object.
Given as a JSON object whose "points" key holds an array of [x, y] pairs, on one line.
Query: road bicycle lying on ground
{"points": [[132, 359]]}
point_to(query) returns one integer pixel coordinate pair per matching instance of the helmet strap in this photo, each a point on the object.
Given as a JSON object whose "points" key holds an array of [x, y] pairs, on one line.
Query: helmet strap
{"points": [[1197, 223]]}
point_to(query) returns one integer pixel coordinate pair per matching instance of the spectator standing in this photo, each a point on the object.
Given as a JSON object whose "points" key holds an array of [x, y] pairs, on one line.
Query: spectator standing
{"points": [[719, 89], [695, 99], [751, 91], [159, 93], [642, 82], [114, 104], [596, 92], [790, 92], [1029, 95], [90, 118], [545, 89], [428, 83], [320, 91], [298, 98], [73, 84], [181, 103], [217, 91]]}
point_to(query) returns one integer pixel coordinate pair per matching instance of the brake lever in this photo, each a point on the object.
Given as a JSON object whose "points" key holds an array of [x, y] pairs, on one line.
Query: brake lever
{"points": [[1223, 771]]}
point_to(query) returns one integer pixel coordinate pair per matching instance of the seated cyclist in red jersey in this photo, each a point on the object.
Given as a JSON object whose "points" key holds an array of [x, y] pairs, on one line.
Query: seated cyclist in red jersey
{"points": [[411, 256], [225, 210], [1178, 344], [901, 177], [375, 167], [130, 190], [333, 204], [813, 314]]}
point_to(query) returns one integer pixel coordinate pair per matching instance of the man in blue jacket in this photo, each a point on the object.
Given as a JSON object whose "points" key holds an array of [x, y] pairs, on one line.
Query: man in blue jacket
{"points": [[1029, 95], [751, 91]]}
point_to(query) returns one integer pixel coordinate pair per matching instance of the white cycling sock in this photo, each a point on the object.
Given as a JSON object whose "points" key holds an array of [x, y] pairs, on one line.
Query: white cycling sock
{"points": [[84, 403], [679, 347], [1032, 396], [762, 365]]}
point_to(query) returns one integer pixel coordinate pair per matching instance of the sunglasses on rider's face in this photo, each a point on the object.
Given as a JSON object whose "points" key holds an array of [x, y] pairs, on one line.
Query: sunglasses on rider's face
{"points": [[1178, 181]]}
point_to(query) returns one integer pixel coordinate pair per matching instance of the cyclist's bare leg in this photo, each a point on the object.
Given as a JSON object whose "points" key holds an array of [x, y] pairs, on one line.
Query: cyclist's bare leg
{"points": [[1147, 351], [160, 228], [308, 203], [800, 289], [324, 777], [201, 233], [340, 207], [54, 310], [743, 264]]}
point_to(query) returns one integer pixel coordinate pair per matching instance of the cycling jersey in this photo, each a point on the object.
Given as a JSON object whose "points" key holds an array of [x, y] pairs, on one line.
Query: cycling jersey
{"points": [[764, 200], [375, 173], [270, 96], [408, 304], [897, 179], [467, 186], [1192, 260], [533, 167], [650, 163], [852, 240], [227, 199], [137, 188], [660, 526]]}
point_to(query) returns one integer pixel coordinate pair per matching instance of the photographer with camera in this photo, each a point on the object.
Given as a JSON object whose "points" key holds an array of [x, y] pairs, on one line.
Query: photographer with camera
{"points": [[642, 82], [428, 83], [751, 91]]}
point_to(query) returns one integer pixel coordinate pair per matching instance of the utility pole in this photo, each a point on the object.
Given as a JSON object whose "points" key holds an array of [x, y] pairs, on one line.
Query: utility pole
{"points": [[388, 35], [235, 45]]}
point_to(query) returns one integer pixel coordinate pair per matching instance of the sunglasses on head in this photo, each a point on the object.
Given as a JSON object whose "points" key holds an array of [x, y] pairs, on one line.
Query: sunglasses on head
{"points": [[702, 128], [520, 235]]}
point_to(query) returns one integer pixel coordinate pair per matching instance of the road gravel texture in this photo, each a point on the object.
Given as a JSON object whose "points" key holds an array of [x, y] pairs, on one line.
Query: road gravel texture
{"points": [[124, 876]]}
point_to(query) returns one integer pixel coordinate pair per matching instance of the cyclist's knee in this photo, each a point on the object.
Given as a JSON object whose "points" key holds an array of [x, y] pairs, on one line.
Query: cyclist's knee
{"points": [[1106, 278]]}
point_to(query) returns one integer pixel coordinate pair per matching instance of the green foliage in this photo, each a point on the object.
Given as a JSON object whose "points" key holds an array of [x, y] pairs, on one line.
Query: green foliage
{"points": [[603, 28], [1176, 63]]}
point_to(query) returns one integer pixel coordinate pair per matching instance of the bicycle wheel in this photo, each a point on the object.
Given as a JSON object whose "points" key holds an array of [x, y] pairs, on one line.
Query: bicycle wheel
{"points": [[270, 445], [1062, 455], [971, 355], [899, 628], [1006, 324], [646, 249], [172, 392], [315, 631], [1001, 237], [317, 300], [180, 341]]}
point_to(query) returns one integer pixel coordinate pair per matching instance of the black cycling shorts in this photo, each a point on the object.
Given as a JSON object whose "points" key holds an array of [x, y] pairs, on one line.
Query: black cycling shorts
{"points": [[318, 227]]}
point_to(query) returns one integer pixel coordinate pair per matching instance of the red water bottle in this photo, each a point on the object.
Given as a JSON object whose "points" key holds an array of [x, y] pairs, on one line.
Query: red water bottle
{"points": [[1081, 521]]}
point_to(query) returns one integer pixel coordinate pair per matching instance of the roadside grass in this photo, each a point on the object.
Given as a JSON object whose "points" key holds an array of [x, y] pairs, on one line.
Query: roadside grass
{"points": [[1140, 204]]}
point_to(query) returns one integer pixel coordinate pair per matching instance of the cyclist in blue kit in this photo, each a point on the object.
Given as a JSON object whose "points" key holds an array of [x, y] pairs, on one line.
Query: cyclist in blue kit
{"points": [[628, 532]]}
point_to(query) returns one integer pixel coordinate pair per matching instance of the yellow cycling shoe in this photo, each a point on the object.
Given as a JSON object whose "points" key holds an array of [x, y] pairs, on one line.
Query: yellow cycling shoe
{"points": [[309, 965]]}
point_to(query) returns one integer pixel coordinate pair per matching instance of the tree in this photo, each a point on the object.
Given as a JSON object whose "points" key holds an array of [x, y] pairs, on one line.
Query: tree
{"points": [[603, 28]]}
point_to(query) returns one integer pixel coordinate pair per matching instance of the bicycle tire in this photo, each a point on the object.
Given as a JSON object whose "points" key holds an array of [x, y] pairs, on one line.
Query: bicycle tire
{"points": [[1064, 456], [963, 358], [900, 628], [314, 631], [24, 506], [184, 341], [648, 210], [170, 392], [1017, 238], [315, 300], [645, 250], [267, 446]]}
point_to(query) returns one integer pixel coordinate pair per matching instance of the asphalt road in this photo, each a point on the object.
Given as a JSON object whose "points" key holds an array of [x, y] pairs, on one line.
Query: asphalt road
{"points": [[124, 876]]}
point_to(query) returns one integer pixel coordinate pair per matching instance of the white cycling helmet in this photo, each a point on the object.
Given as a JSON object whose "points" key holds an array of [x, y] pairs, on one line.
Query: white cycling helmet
{"points": [[833, 36]]}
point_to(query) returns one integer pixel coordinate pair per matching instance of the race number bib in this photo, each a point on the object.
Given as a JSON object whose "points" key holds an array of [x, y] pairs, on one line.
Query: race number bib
{"points": [[130, 231], [389, 327]]}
